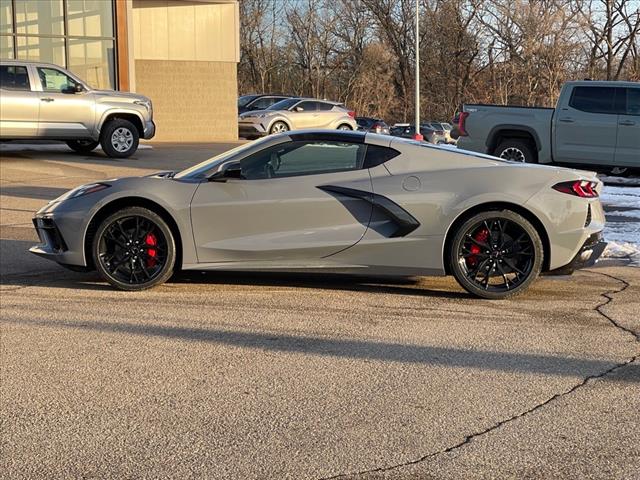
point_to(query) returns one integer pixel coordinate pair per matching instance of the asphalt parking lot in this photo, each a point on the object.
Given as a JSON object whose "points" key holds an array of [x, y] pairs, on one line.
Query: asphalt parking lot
{"points": [[304, 377]]}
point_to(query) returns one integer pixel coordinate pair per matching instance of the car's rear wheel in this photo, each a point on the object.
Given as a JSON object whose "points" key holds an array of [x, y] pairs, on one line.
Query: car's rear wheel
{"points": [[516, 150], [496, 254], [344, 126], [134, 249], [279, 127], [119, 138], [82, 146]]}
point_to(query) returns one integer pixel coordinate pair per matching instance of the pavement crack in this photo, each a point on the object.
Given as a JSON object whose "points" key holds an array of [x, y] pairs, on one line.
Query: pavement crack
{"points": [[608, 295]]}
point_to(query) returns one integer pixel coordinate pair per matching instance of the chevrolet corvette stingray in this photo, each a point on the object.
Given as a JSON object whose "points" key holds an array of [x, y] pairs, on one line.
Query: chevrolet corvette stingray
{"points": [[333, 201]]}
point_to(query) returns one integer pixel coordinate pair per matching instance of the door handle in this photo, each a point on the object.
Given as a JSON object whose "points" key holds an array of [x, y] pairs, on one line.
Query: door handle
{"points": [[48, 99], [627, 123], [567, 120]]}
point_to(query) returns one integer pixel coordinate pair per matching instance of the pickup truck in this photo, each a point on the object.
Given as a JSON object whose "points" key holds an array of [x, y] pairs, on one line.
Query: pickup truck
{"points": [[596, 124]]}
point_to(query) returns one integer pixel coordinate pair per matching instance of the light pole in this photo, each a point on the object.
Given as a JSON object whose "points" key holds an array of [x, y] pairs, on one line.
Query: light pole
{"points": [[418, 135]]}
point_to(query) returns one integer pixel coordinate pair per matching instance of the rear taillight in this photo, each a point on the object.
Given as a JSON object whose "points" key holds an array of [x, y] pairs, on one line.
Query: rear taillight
{"points": [[461, 124], [579, 188], [352, 114]]}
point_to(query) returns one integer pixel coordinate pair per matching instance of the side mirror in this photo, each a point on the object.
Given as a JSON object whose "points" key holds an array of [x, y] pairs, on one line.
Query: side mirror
{"points": [[227, 171], [299, 109], [72, 89]]}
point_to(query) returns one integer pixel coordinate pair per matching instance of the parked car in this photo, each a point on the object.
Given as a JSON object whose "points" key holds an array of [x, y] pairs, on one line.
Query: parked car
{"points": [[247, 103], [41, 101], [594, 124], [296, 114], [335, 202], [375, 125], [406, 130], [440, 132], [445, 128]]}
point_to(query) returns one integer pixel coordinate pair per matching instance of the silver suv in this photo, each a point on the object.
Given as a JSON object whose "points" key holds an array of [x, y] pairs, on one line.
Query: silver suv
{"points": [[296, 114], [46, 102]]}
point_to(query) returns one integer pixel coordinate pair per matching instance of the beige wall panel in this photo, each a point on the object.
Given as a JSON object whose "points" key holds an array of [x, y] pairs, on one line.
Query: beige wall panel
{"points": [[192, 100], [186, 30]]}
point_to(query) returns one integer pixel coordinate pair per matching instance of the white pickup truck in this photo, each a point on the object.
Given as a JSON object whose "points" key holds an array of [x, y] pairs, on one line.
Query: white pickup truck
{"points": [[595, 124]]}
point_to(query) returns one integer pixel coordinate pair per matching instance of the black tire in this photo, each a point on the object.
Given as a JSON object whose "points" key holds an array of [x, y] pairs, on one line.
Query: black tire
{"points": [[119, 138], [139, 255], [511, 246], [516, 150], [344, 126], [278, 127], [82, 146]]}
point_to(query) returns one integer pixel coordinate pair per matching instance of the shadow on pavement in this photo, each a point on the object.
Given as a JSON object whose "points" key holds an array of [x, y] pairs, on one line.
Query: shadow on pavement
{"points": [[362, 349]]}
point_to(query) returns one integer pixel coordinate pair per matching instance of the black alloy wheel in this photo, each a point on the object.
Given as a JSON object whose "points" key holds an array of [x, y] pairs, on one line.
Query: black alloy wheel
{"points": [[496, 254], [134, 249]]}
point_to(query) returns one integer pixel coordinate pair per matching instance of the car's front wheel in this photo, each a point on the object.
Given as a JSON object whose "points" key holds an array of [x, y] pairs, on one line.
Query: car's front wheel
{"points": [[278, 127], [119, 138], [496, 254], [134, 249], [82, 146]]}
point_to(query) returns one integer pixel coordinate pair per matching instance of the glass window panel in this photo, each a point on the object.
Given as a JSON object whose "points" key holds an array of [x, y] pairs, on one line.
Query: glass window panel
{"points": [[6, 18], [39, 18], [90, 18], [6, 46], [54, 80], [93, 61], [14, 77], [41, 49]]}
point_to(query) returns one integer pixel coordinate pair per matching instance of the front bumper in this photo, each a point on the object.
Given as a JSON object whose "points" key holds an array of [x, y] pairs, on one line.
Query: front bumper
{"points": [[149, 130], [59, 240], [588, 254], [250, 130]]}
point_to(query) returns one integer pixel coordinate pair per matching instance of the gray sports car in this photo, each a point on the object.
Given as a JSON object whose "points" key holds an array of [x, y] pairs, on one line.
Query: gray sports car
{"points": [[333, 201]]}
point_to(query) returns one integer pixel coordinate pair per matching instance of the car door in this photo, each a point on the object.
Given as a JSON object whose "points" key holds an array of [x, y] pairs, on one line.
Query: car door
{"points": [[304, 115], [63, 115], [628, 144], [19, 103], [277, 212], [586, 128]]}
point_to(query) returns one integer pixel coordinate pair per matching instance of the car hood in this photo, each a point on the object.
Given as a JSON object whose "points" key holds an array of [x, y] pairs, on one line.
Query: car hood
{"points": [[122, 95]]}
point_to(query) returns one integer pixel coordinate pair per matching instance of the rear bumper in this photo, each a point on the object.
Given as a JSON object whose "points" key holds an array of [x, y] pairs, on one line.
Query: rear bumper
{"points": [[588, 255]]}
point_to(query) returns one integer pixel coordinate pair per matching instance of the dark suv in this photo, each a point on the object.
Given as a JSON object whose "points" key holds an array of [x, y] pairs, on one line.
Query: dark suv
{"points": [[248, 103]]}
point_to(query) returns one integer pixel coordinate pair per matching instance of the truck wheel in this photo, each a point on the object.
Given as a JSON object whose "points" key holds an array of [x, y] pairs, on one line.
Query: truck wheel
{"points": [[516, 151], [82, 146], [119, 138]]}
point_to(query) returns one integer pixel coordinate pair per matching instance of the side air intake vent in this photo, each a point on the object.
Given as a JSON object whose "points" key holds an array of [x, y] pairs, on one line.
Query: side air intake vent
{"points": [[588, 220]]}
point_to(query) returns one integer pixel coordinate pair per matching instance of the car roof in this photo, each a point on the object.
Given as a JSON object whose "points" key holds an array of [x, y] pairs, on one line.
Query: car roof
{"points": [[602, 83], [29, 62]]}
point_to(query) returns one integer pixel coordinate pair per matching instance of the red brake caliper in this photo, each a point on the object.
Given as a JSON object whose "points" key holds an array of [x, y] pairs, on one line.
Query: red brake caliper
{"points": [[151, 241], [481, 236]]}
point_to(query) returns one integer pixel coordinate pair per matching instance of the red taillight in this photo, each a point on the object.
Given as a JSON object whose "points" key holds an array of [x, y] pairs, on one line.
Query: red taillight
{"points": [[352, 114], [579, 188], [461, 124]]}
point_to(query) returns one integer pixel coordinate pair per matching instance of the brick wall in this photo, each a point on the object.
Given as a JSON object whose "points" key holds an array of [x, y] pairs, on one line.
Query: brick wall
{"points": [[192, 100]]}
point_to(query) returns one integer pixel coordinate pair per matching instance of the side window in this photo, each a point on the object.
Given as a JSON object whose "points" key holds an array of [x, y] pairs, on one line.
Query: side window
{"points": [[303, 158], [14, 77], [633, 101], [325, 107], [593, 99], [308, 106], [264, 102], [377, 155], [54, 80]]}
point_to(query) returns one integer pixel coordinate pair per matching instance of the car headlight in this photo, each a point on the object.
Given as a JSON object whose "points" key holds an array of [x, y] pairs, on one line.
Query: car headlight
{"points": [[84, 190], [145, 103]]}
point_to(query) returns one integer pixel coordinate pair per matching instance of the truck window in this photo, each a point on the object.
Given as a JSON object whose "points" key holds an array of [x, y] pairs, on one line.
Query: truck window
{"points": [[633, 101], [593, 99], [14, 77]]}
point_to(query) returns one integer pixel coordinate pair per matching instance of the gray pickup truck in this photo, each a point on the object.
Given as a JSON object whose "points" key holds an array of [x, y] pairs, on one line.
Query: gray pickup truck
{"points": [[595, 124], [41, 101]]}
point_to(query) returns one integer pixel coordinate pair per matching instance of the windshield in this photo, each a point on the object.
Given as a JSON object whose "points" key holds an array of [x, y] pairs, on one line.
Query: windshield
{"points": [[202, 169], [245, 99], [285, 104]]}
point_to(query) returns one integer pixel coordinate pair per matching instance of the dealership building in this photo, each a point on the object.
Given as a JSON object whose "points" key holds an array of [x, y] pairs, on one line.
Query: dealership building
{"points": [[183, 54]]}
